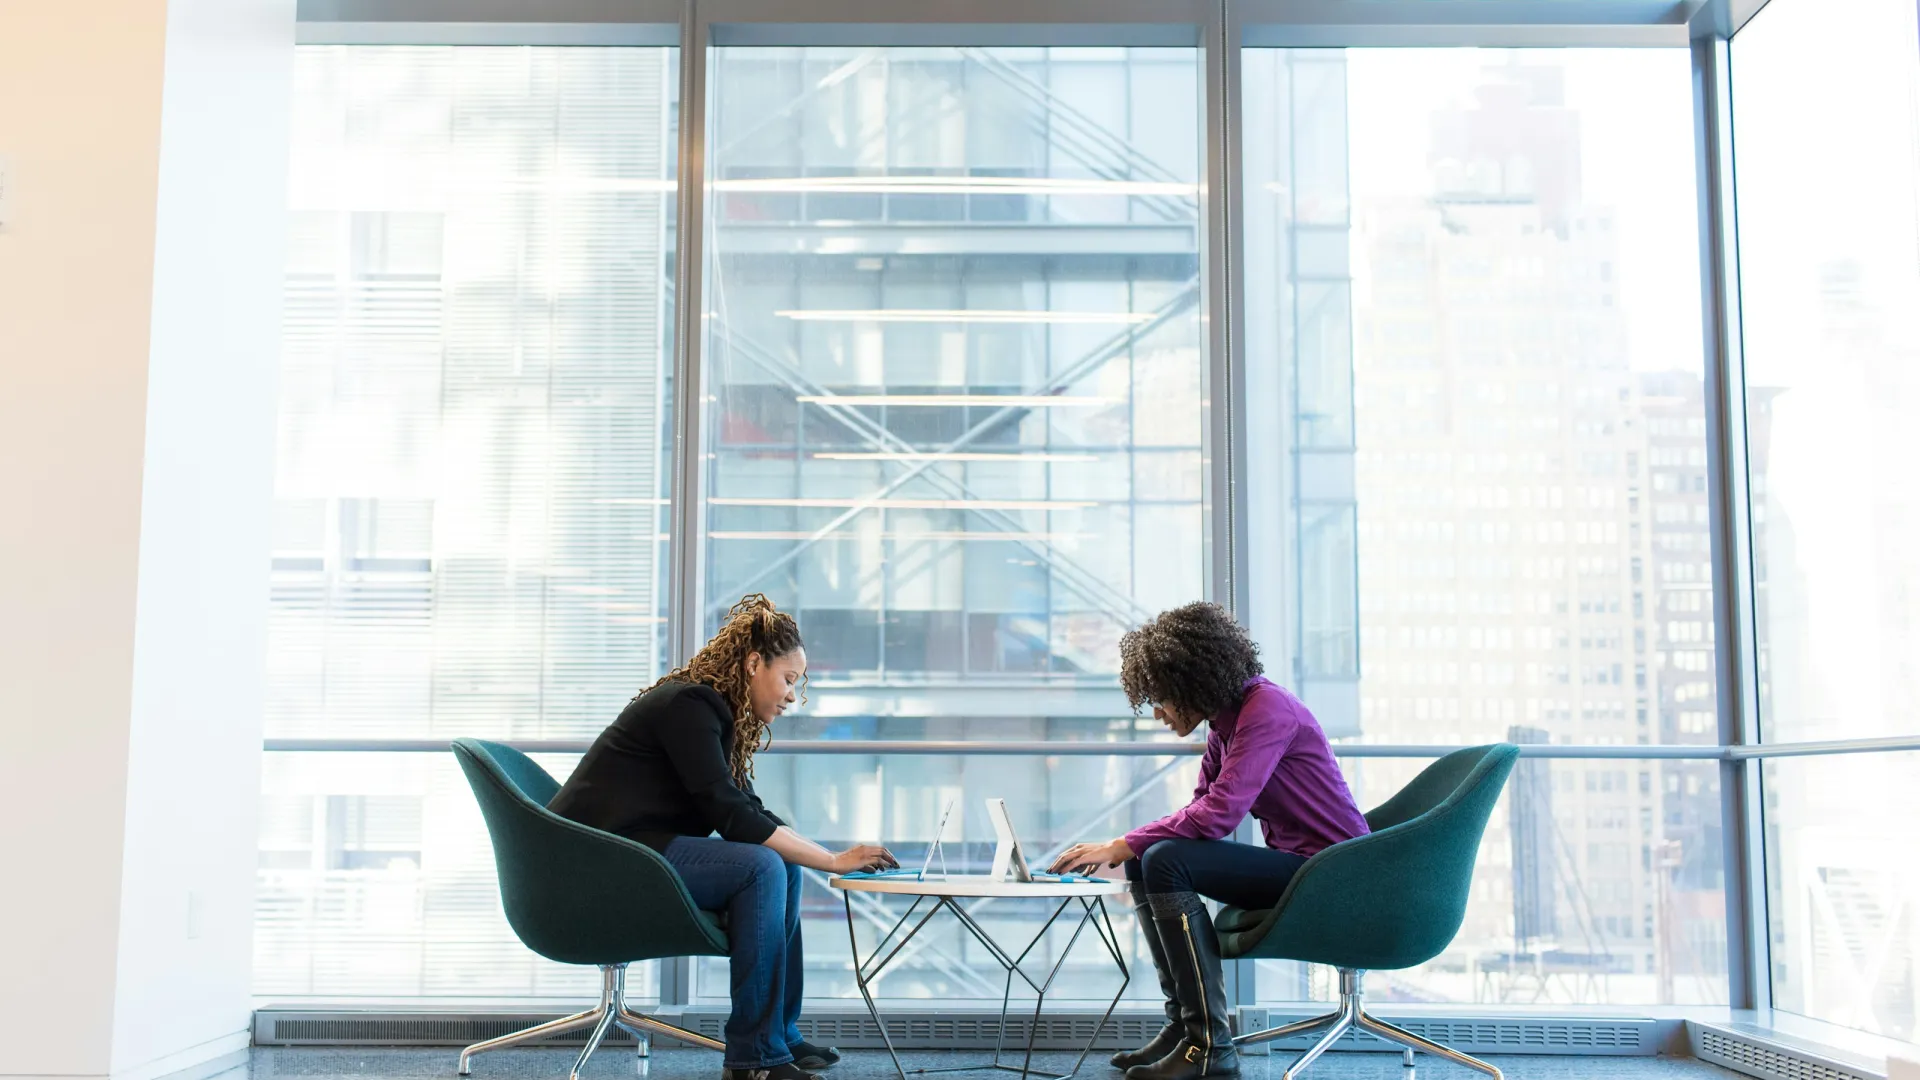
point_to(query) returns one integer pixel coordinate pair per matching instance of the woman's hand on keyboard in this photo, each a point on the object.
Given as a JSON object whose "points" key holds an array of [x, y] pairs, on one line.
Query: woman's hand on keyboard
{"points": [[1091, 858], [863, 857]]}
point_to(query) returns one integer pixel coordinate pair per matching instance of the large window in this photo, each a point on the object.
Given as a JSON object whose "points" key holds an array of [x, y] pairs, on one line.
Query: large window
{"points": [[1827, 130], [1474, 327], [1829, 140], [469, 533], [954, 397], [954, 365], [1845, 912], [955, 376]]}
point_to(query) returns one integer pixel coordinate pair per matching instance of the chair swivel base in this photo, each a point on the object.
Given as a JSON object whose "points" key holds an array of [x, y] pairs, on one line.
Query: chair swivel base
{"points": [[1352, 1016], [611, 1012]]}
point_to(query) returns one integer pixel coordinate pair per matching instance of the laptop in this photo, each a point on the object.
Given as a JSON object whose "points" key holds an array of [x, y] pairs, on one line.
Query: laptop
{"points": [[939, 837], [1009, 861]]}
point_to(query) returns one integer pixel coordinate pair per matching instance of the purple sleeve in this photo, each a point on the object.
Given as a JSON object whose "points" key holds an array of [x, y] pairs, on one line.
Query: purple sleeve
{"points": [[1263, 732], [1209, 766]]}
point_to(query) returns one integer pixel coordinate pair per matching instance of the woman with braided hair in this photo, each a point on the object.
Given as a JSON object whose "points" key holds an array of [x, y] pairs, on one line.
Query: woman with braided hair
{"points": [[676, 768], [1266, 755]]}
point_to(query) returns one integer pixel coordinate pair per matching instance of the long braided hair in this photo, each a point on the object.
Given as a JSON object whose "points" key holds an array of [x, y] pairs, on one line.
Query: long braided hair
{"points": [[752, 625]]}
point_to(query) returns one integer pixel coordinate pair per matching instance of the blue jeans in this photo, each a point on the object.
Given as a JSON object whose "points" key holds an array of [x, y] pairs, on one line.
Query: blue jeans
{"points": [[760, 894], [1239, 874]]}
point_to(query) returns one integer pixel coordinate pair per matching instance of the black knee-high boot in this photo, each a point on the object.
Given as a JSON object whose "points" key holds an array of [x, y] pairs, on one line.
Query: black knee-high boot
{"points": [[1162, 1044], [1192, 954]]}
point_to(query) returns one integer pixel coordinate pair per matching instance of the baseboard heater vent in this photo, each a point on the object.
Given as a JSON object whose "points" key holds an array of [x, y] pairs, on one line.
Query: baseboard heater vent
{"points": [[1597, 1036], [918, 1030], [910, 1029], [1769, 1060], [275, 1027]]}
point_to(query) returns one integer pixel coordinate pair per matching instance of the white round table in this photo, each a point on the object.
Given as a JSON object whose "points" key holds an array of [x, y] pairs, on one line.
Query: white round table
{"points": [[977, 886], [946, 891]]}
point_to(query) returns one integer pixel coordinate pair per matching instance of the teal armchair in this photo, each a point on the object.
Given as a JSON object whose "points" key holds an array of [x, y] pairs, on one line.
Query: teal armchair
{"points": [[581, 896], [1388, 900]]}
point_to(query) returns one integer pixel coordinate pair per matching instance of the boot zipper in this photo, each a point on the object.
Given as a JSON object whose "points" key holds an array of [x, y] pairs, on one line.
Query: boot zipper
{"points": [[1200, 987]]}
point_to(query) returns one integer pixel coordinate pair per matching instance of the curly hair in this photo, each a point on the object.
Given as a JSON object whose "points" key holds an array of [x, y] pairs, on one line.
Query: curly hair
{"points": [[1194, 658], [753, 625]]}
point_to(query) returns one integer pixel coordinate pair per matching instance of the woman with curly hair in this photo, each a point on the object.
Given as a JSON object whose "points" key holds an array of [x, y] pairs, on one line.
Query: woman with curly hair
{"points": [[675, 768], [1265, 755]]}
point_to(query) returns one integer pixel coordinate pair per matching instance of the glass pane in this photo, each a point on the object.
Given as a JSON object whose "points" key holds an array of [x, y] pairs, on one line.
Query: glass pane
{"points": [[1828, 164], [1478, 501], [954, 370], [841, 800], [468, 536], [1598, 883], [1841, 900], [377, 881], [1489, 392]]}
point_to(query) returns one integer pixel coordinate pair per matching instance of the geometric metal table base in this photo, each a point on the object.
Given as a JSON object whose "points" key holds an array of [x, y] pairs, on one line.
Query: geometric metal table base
{"points": [[602, 1018], [1349, 1016], [1093, 913]]}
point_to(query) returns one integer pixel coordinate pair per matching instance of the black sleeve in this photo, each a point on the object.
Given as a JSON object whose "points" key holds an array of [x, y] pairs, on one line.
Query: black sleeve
{"points": [[762, 807], [692, 741]]}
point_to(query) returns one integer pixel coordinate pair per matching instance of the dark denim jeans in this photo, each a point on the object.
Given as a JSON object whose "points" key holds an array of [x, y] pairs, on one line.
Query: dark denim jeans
{"points": [[760, 894], [1238, 874]]}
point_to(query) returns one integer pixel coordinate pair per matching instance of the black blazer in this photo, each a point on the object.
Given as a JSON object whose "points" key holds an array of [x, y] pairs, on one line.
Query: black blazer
{"points": [[660, 771]]}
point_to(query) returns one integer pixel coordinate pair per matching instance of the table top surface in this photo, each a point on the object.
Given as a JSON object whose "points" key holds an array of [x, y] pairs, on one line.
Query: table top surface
{"points": [[977, 885]]}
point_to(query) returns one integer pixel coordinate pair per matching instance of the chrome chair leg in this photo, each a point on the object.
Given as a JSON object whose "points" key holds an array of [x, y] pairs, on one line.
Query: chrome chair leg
{"points": [[638, 1030], [640, 1024], [526, 1035], [600, 1030], [602, 1018], [1411, 1041], [1298, 1027], [1341, 1023], [1353, 1014]]}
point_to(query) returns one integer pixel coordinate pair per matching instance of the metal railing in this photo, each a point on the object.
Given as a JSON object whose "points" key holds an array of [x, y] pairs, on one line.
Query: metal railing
{"points": [[1154, 748]]}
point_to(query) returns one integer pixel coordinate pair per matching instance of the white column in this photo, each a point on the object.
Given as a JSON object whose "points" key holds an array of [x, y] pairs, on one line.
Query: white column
{"points": [[140, 265]]}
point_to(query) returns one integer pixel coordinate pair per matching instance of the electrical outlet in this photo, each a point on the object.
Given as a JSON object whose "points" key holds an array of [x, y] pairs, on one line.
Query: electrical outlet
{"points": [[193, 916]]}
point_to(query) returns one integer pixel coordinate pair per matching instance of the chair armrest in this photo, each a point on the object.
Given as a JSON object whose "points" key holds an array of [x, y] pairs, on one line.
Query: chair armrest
{"points": [[1233, 920]]}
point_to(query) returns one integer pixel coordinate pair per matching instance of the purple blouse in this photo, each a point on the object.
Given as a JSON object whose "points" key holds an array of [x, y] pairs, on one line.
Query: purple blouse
{"points": [[1269, 757]]}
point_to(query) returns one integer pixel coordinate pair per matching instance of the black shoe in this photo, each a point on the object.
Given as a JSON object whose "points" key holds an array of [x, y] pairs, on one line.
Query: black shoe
{"points": [[1162, 1044], [1159, 1047], [789, 1071], [1206, 1041], [808, 1056]]}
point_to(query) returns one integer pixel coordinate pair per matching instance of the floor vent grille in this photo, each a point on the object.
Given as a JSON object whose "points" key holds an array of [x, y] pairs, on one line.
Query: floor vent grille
{"points": [[948, 1031], [273, 1028], [915, 1030], [1767, 1061], [1522, 1035]]}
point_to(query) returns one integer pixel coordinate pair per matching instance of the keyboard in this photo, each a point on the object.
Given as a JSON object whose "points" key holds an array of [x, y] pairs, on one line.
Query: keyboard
{"points": [[897, 873]]}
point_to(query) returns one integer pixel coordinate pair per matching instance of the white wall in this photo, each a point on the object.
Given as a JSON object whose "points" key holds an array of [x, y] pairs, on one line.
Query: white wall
{"points": [[139, 288]]}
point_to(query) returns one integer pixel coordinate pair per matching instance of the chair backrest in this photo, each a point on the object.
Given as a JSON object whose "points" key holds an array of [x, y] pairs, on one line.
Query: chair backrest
{"points": [[1395, 897], [1434, 785], [572, 893]]}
